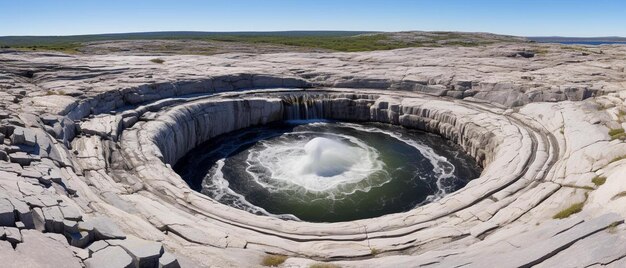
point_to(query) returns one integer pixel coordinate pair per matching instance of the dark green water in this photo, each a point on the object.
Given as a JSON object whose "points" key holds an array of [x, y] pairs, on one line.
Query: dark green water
{"points": [[327, 171]]}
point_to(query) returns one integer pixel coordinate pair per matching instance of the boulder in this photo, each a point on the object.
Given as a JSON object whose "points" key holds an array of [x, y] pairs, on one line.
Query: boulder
{"points": [[12, 235], [23, 158], [38, 250], [96, 246], [103, 228], [144, 253], [23, 136], [110, 257], [38, 219], [23, 212], [7, 215], [168, 260], [70, 212], [53, 219]]}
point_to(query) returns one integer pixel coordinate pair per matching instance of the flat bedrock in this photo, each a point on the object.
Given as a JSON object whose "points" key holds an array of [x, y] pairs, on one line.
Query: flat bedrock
{"points": [[87, 142]]}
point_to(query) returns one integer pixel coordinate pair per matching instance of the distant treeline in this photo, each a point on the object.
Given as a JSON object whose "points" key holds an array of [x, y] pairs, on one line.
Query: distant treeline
{"points": [[22, 41]]}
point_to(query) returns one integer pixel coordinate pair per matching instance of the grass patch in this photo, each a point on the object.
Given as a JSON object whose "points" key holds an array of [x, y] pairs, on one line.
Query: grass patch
{"points": [[338, 43], [52, 92], [617, 159], [617, 133], [573, 209], [332, 40], [612, 228], [374, 251], [68, 48], [542, 51], [598, 180], [589, 188], [273, 260], [158, 61], [324, 265]]}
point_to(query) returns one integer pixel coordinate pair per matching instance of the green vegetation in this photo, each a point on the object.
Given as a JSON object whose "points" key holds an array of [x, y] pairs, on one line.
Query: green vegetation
{"points": [[332, 40], [617, 159], [541, 51], [338, 43], [612, 228], [158, 61], [589, 188], [273, 260], [617, 133], [573, 209], [598, 180], [374, 251], [58, 92], [69, 48]]}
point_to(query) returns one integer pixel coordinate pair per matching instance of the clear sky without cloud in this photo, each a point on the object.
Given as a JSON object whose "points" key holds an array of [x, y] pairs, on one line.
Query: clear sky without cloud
{"points": [[516, 17]]}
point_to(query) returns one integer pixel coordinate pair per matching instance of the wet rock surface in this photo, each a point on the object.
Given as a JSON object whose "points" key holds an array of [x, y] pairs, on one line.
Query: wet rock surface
{"points": [[87, 144]]}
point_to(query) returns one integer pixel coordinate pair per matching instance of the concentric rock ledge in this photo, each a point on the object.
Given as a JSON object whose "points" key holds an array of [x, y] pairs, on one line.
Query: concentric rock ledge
{"points": [[91, 170]]}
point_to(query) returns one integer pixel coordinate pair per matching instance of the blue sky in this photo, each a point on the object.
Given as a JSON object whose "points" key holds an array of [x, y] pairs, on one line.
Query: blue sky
{"points": [[517, 17]]}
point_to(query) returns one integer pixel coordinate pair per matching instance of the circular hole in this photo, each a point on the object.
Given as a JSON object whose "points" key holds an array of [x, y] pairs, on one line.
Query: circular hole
{"points": [[327, 171]]}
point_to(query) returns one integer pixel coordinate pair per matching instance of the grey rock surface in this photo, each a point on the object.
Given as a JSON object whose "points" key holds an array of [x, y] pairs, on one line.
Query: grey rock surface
{"points": [[110, 257], [88, 142], [38, 250], [102, 228], [144, 253], [7, 215]]}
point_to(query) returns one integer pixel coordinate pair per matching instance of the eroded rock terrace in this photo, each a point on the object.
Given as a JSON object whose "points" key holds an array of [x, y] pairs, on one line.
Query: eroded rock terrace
{"points": [[88, 143]]}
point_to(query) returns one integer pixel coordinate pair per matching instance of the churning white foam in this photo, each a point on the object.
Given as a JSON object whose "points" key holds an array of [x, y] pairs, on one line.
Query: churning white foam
{"points": [[327, 158], [442, 167], [319, 164], [329, 164]]}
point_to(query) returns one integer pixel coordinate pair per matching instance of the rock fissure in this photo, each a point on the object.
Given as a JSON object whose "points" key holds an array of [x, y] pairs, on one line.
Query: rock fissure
{"points": [[135, 122]]}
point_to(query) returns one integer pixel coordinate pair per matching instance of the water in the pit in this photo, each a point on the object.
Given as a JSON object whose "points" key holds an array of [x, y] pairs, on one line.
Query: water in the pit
{"points": [[327, 171]]}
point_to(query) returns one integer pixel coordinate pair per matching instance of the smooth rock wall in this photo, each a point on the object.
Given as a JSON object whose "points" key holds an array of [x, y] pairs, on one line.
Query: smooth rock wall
{"points": [[188, 126], [191, 125], [111, 100]]}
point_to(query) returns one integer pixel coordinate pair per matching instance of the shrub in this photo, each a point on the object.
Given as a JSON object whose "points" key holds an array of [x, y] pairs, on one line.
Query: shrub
{"points": [[273, 260], [52, 92], [573, 209], [617, 133], [598, 180], [158, 61], [617, 159], [579, 187]]}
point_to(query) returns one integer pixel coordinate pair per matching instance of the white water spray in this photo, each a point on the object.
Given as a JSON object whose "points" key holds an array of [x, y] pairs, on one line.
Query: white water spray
{"points": [[327, 158], [320, 164]]}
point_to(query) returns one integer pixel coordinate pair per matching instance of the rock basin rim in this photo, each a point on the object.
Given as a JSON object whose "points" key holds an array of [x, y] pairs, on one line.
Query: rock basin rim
{"points": [[86, 156]]}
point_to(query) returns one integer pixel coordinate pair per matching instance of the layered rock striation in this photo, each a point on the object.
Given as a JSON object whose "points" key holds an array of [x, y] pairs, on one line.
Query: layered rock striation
{"points": [[88, 143]]}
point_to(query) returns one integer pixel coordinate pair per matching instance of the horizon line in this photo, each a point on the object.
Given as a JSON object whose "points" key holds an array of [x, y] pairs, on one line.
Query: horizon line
{"points": [[287, 31]]}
